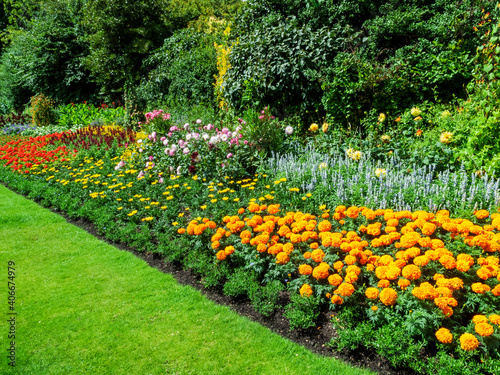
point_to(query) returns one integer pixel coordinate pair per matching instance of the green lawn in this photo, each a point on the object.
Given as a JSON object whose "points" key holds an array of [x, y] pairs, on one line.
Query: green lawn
{"points": [[85, 307]]}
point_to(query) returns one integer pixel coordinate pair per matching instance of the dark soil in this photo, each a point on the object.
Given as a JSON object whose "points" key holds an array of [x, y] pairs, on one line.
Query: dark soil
{"points": [[314, 339]]}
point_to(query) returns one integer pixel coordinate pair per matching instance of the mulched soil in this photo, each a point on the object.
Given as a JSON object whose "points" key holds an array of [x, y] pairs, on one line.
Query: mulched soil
{"points": [[314, 339]]}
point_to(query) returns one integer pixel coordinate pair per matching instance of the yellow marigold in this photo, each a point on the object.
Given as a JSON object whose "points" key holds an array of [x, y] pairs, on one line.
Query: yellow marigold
{"points": [[372, 293], [221, 255], [282, 258], [374, 308], [480, 288], [335, 280], [306, 290], [314, 127], [345, 290], [412, 272], [444, 335], [468, 342], [388, 296]]}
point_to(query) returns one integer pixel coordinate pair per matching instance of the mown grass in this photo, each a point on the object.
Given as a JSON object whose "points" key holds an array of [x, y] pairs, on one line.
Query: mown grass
{"points": [[85, 307]]}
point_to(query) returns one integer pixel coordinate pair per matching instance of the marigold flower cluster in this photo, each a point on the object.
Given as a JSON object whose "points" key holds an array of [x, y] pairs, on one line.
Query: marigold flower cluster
{"points": [[392, 253]]}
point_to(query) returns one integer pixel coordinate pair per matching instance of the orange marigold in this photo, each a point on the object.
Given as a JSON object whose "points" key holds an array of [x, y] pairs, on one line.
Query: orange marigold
{"points": [[372, 293], [480, 288], [388, 296], [337, 300], [412, 272], [383, 284], [421, 261], [282, 258], [448, 262], [305, 269], [229, 250], [335, 280], [317, 255], [338, 265], [482, 214], [496, 290], [221, 255], [468, 342], [403, 283], [306, 290], [324, 226], [321, 271], [479, 319], [307, 255], [345, 290], [495, 319], [484, 329], [181, 230], [444, 335]]}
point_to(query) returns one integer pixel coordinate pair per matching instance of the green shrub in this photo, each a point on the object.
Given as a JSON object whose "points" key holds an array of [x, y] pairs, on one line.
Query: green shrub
{"points": [[183, 68], [264, 299], [302, 312]]}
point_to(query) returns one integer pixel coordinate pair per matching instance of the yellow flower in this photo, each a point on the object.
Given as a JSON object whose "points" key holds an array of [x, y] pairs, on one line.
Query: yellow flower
{"points": [[213, 200], [175, 223], [203, 207], [181, 214], [380, 172], [385, 138], [119, 208], [381, 117], [446, 114], [415, 112], [324, 127], [322, 166], [446, 137], [314, 127]]}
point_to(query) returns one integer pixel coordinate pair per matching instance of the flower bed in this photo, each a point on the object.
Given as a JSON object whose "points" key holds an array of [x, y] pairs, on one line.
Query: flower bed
{"points": [[430, 277]]}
